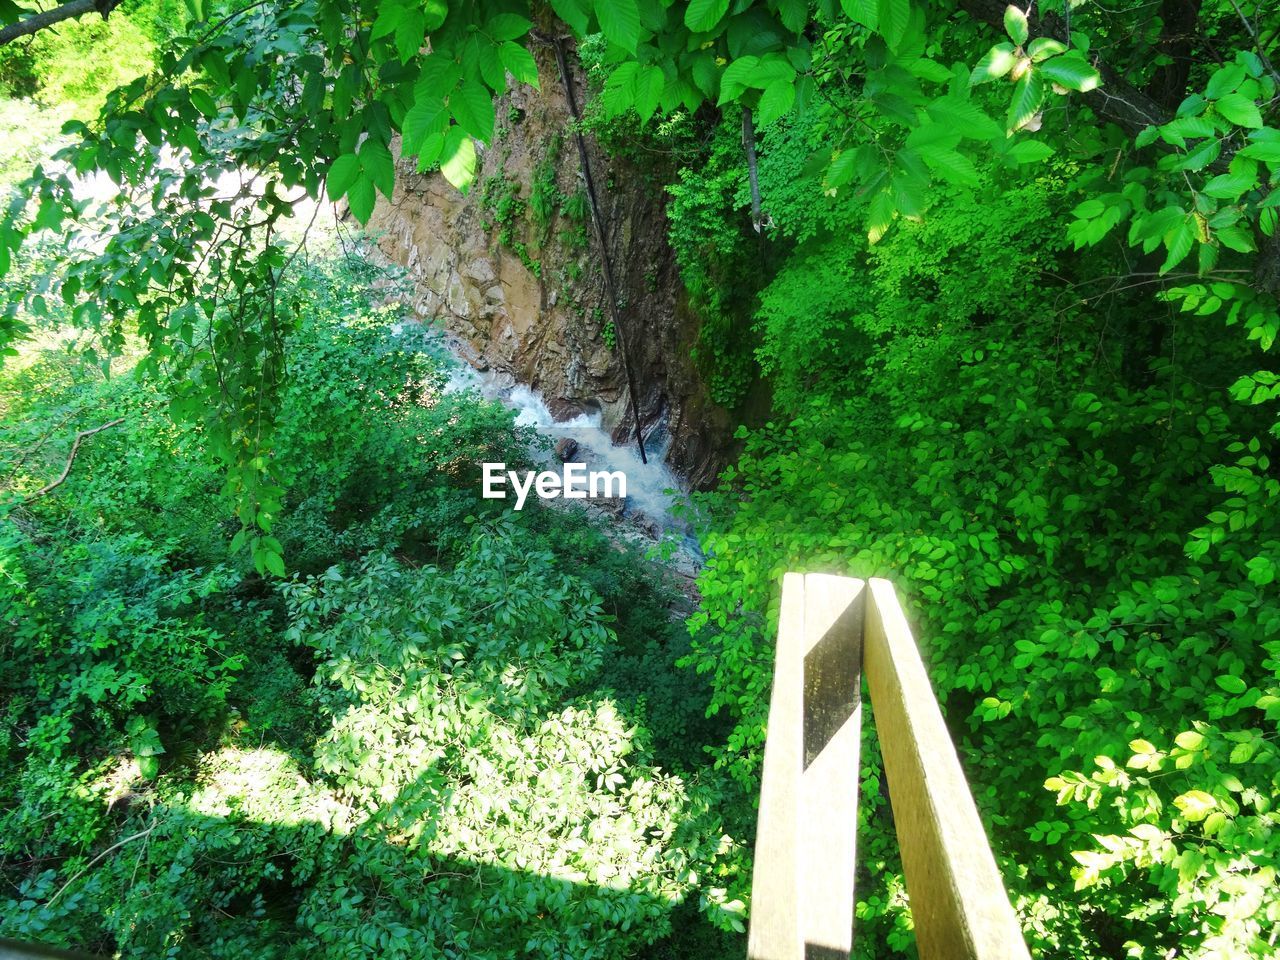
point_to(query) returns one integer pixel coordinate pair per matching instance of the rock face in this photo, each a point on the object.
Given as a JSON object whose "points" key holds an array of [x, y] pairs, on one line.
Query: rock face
{"points": [[512, 271]]}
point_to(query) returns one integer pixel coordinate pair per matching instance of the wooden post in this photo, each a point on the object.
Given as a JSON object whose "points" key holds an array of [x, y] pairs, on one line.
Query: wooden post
{"points": [[958, 901], [802, 884]]}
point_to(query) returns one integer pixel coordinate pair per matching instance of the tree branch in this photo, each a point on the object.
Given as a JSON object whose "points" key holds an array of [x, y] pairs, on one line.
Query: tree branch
{"points": [[1257, 41], [71, 458], [1120, 102], [96, 860], [1116, 100], [47, 18]]}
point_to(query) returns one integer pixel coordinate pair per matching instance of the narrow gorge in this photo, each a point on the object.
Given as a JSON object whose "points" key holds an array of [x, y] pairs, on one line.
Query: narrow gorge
{"points": [[512, 272]]}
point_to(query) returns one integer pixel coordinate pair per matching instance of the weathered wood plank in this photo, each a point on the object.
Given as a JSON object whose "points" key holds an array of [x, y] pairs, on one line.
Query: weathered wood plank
{"points": [[802, 884], [774, 933], [958, 900], [833, 621]]}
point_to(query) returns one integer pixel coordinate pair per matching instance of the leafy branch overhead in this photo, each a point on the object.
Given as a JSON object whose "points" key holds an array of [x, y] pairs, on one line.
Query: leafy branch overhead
{"points": [[305, 100], [1004, 278]]}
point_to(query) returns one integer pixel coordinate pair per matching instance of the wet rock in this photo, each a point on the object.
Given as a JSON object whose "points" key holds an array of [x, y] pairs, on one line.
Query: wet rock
{"points": [[612, 507], [566, 449]]}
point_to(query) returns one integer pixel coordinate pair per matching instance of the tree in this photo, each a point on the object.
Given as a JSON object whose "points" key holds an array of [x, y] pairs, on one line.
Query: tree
{"points": [[302, 99], [42, 20]]}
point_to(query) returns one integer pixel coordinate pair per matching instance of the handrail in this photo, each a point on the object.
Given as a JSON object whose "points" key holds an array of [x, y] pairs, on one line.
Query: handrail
{"points": [[832, 630]]}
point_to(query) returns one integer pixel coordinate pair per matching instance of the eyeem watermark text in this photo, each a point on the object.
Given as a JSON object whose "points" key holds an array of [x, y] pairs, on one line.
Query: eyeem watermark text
{"points": [[575, 483]]}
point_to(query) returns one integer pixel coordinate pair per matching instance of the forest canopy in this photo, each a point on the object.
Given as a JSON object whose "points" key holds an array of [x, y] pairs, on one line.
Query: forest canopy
{"points": [[1007, 275]]}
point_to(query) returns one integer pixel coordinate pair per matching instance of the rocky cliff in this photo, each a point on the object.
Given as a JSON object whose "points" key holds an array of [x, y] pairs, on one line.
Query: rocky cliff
{"points": [[512, 272]]}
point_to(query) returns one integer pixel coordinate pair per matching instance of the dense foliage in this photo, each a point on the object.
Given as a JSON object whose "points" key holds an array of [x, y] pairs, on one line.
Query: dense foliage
{"points": [[1060, 448], [434, 742], [1011, 285]]}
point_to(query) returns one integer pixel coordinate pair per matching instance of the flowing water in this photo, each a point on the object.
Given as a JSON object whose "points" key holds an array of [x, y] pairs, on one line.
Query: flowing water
{"points": [[653, 490]]}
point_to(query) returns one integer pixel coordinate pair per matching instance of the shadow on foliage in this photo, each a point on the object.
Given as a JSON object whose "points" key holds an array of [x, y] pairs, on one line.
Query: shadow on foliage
{"points": [[253, 865]]}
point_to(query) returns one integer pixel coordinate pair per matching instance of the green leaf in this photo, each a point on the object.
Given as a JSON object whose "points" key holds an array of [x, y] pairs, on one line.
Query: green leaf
{"points": [[1267, 152], [949, 165], [737, 77], [865, 12], [1204, 154], [1224, 80], [770, 70], [438, 76], [390, 14], [472, 106], [274, 563], [1233, 685], [1028, 95], [1015, 24], [573, 12], [1042, 48], [880, 216], [930, 70], [204, 103], [705, 73], [895, 18], [776, 101], [619, 93], [701, 16], [619, 22], [1235, 239], [794, 14], [429, 152], [427, 116], [410, 33], [930, 134], [1071, 71], [342, 175], [505, 26], [1194, 804], [436, 12], [805, 92], [492, 72], [519, 63], [1029, 151], [965, 118], [843, 166], [361, 197], [1177, 131], [648, 90], [999, 60], [1189, 740], [376, 162], [1179, 241], [458, 159], [1240, 110]]}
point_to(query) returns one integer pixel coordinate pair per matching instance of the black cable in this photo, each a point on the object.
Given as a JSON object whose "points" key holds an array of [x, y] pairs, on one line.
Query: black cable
{"points": [[603, 237]]}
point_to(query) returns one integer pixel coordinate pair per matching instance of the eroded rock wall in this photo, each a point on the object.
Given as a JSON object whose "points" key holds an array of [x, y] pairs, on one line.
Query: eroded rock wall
{"points": [[523, 293]]}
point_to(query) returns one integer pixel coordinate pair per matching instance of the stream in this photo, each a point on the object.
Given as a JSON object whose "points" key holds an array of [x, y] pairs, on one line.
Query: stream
{"points": [[647, 513]]}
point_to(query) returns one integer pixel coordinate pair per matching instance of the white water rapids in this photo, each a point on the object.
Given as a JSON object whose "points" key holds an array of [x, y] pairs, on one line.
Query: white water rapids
{"points": [[652, 488]]}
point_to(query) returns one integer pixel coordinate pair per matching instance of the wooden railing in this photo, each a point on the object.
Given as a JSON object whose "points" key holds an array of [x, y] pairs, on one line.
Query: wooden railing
{"points": [[832, 631]]}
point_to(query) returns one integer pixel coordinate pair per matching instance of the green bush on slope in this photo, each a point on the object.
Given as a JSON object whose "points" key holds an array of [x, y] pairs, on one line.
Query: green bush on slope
{"points": [[409, 751]]}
